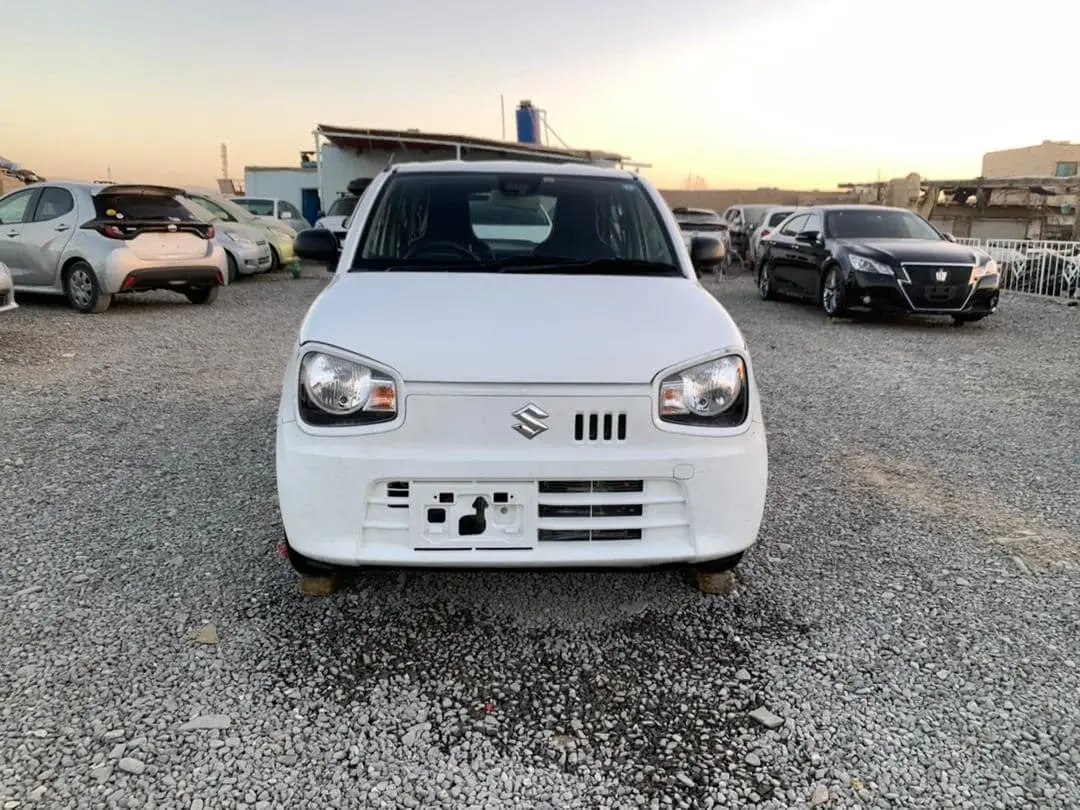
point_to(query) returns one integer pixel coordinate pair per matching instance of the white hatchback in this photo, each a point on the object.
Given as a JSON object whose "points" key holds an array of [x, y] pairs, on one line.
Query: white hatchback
{"points": [[564, 398]]}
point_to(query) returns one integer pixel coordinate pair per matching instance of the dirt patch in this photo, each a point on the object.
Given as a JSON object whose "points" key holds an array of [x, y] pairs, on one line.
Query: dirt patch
{"points": [[1034, 545]]}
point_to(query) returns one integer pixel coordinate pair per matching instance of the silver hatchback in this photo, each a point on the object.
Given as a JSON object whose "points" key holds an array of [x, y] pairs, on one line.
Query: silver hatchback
{"points": [[91, 242]]}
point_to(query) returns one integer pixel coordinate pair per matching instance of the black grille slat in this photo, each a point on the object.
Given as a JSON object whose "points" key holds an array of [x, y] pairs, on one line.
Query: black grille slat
{"points": [[398, 490], [568, 487], [586, 535], [607, 426], [585, 510]]}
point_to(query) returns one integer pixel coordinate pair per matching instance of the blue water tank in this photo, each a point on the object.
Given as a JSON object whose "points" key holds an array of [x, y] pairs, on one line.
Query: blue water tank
{"points": [[528, 123]]}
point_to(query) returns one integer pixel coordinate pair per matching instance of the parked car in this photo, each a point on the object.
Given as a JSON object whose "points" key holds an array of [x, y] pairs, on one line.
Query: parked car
{"points": [[274, 209], [246, 247], [570, 425], [766, 225], [741, 220], [7, 291], [280, 235], [877, 258], [334, 219], [91, 242]]}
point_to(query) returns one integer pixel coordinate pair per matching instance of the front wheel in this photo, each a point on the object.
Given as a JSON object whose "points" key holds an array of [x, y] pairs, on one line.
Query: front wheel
{"points": [[83, 291], [765, 282], [234, 269], [202, 296], [275, 260], [833, 298]]}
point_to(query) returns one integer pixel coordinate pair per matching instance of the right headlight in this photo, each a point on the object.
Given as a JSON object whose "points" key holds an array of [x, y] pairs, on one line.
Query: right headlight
{"points": [[863, 264], [710, 394], [336, 391]]}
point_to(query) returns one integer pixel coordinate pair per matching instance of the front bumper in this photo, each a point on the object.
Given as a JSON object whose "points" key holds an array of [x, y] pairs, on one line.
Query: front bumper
{"points": [[7, 300], [362, 499], [254, 258], [877, 293]]}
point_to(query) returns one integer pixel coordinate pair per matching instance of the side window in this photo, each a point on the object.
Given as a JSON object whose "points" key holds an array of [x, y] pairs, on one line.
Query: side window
{"points": [[53, 203], [13, 210], [794, 226], [292, 209], [813, 223]]}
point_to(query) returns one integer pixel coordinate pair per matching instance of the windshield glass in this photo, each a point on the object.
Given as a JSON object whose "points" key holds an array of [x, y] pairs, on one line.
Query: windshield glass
{"points": [[262, 208], [200, 211], [515, 223], [224, 208], [777, 217], [342, 207], [859, 223], [754, 213]]}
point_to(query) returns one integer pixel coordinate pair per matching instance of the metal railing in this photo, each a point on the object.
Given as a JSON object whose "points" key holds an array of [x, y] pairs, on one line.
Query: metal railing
{"points": [[1050, 268]]}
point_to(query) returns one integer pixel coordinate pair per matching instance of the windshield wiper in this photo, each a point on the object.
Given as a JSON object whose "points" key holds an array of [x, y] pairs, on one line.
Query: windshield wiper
{"points": [[605, 267]]}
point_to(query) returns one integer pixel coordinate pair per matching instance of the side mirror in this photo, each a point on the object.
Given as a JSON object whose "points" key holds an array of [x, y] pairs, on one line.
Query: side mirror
{"points": [[317, 245], [705, 252], [948, 237], [810, 237]]}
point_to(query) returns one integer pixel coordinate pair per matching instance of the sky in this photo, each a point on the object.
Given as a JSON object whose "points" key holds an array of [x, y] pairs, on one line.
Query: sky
{"points": [[742, 93]]}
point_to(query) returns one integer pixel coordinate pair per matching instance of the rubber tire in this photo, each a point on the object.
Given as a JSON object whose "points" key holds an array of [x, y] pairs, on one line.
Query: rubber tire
{"points": [[275, 261], [202, 296], [718, 566], [841, 307], [99, 303], [960, 320], [307, 567], [765, 276], [234, 269]]}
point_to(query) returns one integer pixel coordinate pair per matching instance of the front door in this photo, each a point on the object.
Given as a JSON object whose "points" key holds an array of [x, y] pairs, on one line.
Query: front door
{"points": [[14, 209], [46, 235], [785, 256], [808, 256]]}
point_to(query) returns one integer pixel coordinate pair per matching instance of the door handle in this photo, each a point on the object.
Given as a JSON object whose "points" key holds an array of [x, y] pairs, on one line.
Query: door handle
{"points": [[12, 234], [62, 228]]}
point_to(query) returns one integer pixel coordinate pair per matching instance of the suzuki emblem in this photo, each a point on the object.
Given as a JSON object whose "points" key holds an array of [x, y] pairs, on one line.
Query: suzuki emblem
{"points": [[530, 421], [942, 276]]}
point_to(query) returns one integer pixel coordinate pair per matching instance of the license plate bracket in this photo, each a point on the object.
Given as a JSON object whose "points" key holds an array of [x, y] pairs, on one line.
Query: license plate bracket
{"points": [[490, 515]]}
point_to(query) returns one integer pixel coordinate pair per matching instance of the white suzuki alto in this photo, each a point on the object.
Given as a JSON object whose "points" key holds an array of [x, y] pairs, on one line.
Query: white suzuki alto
{"points": [[572, 397]]}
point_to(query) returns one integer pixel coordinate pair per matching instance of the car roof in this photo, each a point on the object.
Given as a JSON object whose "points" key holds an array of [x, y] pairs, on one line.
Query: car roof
{"points": [[856, 207], [510, 167]]}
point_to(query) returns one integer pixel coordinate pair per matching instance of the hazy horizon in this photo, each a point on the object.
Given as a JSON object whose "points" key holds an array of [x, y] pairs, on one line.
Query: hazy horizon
{"points": [[755, 94]]}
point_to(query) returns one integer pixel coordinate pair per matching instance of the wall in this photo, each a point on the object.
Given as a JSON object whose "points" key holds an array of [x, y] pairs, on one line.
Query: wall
{"points": [[1030, 161], [9, 183], [719, 199], [284, 183]]}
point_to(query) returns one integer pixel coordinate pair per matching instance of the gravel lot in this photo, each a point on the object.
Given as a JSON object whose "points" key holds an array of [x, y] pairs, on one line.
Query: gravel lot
{"points": [[911, 613]]}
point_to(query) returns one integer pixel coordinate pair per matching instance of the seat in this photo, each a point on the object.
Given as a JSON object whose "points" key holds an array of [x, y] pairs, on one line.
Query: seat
{"points": [[449, 231], [573, 232]]}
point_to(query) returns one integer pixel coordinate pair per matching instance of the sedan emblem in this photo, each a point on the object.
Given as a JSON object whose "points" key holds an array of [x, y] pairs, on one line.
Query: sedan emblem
{"points": [[530, 421], [942, 276]]}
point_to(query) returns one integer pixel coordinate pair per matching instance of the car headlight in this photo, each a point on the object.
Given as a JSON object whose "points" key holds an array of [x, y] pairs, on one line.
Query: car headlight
{"points": [[239, 240], [336, 391], [710, 394], [862, 264], [988, 269]]}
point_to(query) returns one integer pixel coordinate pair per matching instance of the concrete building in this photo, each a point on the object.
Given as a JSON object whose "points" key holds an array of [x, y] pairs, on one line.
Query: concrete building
{"points": [[345, 154], [1048, 159]]}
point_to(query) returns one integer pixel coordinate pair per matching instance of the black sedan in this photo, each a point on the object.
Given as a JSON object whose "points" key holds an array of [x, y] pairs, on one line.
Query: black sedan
{"points": [[874, 258]]}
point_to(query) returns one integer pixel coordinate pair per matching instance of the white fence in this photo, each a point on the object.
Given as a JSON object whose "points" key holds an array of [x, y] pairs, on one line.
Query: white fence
{"points": [[1042, 268]]}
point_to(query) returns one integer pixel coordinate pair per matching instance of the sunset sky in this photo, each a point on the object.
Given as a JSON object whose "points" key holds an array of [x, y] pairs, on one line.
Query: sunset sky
{"points": [[742, 93]]}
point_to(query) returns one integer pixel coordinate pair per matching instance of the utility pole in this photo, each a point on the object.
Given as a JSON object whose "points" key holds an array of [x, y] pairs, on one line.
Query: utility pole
{"points": [[224, 162], [108, 173], [502, 114]]}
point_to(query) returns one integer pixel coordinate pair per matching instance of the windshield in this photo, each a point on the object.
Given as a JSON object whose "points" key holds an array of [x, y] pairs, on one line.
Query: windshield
{"points": [[224, 208], [342, 207], [261, 208], [515, 223], [777, 217], [858, 223], [754, 213], [200, 211]]}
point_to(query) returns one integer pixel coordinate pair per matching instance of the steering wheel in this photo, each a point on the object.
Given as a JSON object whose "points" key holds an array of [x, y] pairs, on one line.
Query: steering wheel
{"points": [[444, 246]]}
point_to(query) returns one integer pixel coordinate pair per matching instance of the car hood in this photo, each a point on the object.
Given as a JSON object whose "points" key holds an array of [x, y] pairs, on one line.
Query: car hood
{"points": [[517, 328], [240, 230], [913, 250]]}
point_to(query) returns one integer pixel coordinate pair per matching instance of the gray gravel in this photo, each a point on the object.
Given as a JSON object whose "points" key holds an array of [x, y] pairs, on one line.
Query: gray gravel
{"points": [[908, 623]]}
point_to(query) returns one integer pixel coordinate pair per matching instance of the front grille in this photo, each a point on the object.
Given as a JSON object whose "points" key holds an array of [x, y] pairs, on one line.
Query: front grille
{"points": [[3, 298], [600, 427], [926, 291], [398, 493]]}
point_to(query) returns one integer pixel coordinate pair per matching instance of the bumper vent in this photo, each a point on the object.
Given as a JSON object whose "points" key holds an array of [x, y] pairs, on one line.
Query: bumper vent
{"points": [[398, 491], [600, 427], [590, 511]]}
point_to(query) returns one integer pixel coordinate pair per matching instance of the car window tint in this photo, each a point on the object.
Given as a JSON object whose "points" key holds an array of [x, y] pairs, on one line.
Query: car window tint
{"points": [[120, 206], [13, 210], [794, 226], [53, 203]]}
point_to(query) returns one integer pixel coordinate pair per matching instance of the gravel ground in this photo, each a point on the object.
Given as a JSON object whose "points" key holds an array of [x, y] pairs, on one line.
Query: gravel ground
{"points": [[910, 615]]}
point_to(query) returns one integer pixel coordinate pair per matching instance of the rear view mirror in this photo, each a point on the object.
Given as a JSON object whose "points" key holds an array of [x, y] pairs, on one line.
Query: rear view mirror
{"points": [[706, 252], [317, 245]]}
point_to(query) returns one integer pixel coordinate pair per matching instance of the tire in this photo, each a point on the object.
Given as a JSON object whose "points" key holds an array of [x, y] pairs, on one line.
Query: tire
{"points": [[960, 320], [202, 296], [275, 260], [83, 291], [833, 296], [766, 291], [307, 567], [234, 269]]}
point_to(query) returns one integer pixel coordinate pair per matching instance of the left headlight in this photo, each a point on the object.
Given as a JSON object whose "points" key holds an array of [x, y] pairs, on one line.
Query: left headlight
{"points": [[336, 391], [238, 240], [864, 264], [988, 269], [710, 394]]}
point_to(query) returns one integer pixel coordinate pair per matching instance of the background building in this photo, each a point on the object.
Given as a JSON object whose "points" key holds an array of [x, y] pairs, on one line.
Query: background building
{"points": [[1048, 159]]}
